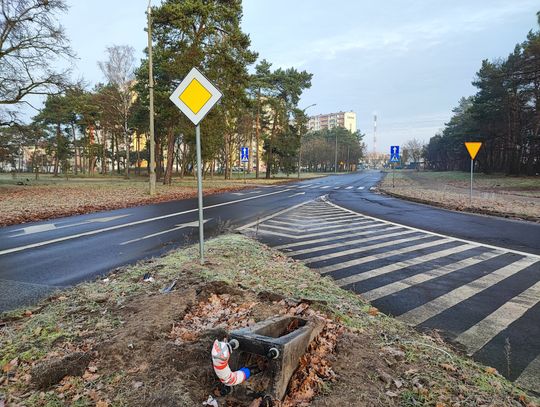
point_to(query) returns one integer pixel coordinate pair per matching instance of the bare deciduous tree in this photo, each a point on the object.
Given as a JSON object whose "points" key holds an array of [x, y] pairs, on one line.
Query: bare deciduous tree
{"points": [[414, 148], [119, 70], [31, 43]]}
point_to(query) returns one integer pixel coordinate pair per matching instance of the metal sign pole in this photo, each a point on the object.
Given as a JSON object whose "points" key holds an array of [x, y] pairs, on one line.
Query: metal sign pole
{"points": [[244, 172], [472, 169], [393, 175], [200, 192]]}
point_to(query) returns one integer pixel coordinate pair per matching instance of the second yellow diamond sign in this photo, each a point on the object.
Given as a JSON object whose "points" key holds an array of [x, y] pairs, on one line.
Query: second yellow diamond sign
{"points": [[195, 96]]}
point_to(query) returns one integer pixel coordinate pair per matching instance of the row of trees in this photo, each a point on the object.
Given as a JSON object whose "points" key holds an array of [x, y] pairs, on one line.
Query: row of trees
{"points": [[319, 150], [81, 130], [504, 115]]}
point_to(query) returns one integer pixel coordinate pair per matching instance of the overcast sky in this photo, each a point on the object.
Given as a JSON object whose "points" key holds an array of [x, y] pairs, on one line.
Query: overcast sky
{"points": [[408, 61]]}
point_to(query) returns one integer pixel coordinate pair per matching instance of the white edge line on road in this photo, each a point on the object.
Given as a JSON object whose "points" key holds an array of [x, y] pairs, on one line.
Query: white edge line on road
{"points": [[274, 215], [95, 232], [325, 199]]}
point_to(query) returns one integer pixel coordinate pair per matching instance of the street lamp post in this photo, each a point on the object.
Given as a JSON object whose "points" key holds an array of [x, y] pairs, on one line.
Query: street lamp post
{"points": [[151, 91], [301, 135]]}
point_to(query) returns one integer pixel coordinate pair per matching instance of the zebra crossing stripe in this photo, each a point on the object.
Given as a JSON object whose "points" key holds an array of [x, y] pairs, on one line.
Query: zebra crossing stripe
{"points": [[315, 229], [326, 186], [249, 225], [325, 199], [360, 188], [442, 303], [309, 218], [297, 236], [363, 249], [530, 377], [312, 227], [330, 237], [356, 262], [328, 217], [302, 224], [349, 242], [476, 337], [349, 187], [356, 278]]}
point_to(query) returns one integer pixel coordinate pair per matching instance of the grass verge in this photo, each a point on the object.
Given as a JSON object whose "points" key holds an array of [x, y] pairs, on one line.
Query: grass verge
{"points": [[124, 324], [497, 195]]}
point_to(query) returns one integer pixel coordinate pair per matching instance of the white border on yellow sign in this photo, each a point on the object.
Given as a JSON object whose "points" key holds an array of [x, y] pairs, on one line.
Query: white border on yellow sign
{"points": [[216, 95]]}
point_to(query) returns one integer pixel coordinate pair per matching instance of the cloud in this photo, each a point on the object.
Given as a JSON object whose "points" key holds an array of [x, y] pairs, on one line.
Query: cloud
{"points": [[431, 31]]}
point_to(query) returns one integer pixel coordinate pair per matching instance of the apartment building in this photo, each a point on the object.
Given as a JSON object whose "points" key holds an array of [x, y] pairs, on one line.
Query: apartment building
{"points": [[332, 120]]}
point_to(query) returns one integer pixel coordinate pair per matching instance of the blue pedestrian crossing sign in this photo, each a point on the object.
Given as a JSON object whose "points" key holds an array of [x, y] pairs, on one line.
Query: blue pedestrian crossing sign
{"points": [[244, 154], [394, 154]]}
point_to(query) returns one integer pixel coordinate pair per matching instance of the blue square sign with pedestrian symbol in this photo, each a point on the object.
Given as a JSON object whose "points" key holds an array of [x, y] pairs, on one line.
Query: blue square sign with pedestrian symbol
{"points": [[244, 154], [394, 154]]}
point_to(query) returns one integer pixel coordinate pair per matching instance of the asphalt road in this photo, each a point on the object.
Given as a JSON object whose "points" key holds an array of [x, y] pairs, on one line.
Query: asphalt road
{"points": [[475, 278]]}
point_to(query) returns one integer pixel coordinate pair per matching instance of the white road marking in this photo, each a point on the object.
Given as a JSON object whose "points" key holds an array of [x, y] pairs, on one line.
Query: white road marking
{"points": [[426, 276], [125, 225], [530, 377], [477, 336], [356, 262], [329, 236], [349, 187], [35, 229], [363, 249], [274, 215], [442, 303], [298, 193], [193, 224], [325, 187], [305, 186], [306, 226], [402, 264], [29, 230], [346, 243], [309, 215], [314, 229], [325, 199], [306, 236], [360, 188], [328, 218], [337, 187]]}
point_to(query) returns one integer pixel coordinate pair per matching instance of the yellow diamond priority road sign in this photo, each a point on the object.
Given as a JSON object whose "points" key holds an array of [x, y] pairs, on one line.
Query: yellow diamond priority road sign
{"points": [[195, 96]]}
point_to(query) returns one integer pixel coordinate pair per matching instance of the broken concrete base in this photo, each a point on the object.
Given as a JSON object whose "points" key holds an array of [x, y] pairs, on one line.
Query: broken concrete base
{"points": [[281, 341]]}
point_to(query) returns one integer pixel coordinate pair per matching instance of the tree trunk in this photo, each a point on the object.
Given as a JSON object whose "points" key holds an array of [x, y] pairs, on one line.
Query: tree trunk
{"points": [[127, 143], [257, 141], [270, 154], [171, 141], [104, 154], [56, 163], [74, 149], [138, 155]]}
